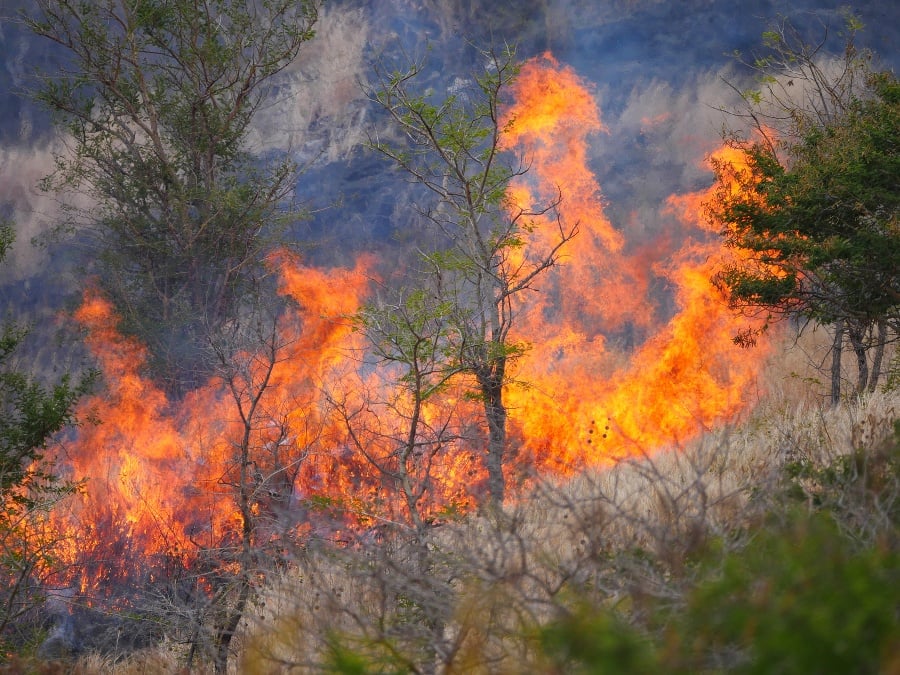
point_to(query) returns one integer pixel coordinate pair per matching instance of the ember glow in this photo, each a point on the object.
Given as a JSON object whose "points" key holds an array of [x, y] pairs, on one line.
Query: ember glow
{"points": [[615, 369]]}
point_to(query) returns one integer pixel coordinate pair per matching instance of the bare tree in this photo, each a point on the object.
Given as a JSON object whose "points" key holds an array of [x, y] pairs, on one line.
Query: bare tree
{"points": [[263, 461]]}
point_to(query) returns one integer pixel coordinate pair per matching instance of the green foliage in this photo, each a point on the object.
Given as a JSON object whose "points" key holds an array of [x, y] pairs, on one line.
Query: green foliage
{"points": [[822, 228], [590, 641], [800, 599], [454, 148], [157, 101], [7, 237], [30, 413], [414, 334], [816, 212], [341, 659]]}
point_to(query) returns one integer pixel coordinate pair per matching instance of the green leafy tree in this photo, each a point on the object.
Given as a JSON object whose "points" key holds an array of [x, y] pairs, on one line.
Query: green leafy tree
{"points": [[815, 211], [797, 600], [454, 151], [401, 420], [30, 413], [591, 641], [157, 99]]}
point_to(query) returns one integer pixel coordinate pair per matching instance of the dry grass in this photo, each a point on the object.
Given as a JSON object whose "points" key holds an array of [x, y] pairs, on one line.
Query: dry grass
{"points": [[163, 659], [468, 598]]}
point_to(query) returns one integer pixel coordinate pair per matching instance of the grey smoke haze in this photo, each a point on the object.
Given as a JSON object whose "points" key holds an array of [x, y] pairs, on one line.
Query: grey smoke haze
{"points": [[656, 67], [318, 107]]}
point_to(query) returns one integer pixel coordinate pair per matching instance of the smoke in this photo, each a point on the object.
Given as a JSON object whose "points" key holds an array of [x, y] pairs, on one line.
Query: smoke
{"points": [[657, 69], [32, 211], [317, 108], [656, 140]]}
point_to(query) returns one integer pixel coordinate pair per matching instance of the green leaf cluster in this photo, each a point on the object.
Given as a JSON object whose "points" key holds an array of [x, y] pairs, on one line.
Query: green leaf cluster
{"points": [[31, 412], [798, 600], [157, 99], [818, 217]]}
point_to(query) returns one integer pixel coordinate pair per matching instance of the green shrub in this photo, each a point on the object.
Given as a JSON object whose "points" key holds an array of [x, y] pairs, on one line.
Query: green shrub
{"points": [[799, 599], [590, 641]]}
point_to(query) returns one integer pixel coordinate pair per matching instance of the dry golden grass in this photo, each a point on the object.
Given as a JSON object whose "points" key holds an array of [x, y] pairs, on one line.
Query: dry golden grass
{"points": [[145, 662], [618, 536]]}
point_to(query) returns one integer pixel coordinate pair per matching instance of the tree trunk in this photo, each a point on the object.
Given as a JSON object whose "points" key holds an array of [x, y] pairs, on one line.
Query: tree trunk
{"points": [[836, 349], [878, 356], [856, 335], [495, 412], [229, 625]]}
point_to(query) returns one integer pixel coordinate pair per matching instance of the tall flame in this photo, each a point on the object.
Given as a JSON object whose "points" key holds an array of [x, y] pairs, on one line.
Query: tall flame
{"points": [[588, 401], [613, 370]]}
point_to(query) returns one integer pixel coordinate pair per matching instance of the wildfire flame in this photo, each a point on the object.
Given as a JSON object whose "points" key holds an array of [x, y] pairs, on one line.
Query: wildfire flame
{"points": [[588, 401], [161, 474]]}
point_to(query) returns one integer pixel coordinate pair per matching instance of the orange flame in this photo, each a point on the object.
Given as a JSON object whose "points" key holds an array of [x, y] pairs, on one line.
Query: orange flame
{"points": [[162, 474], [549, 122], [588, 402]]}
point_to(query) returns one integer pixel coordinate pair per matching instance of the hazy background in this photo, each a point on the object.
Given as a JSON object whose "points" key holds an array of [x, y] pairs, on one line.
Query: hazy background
{"points": [[656, 68]]}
